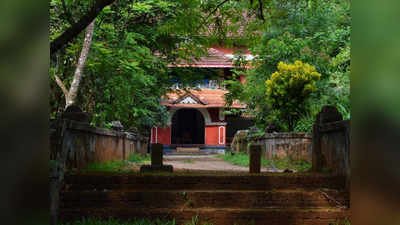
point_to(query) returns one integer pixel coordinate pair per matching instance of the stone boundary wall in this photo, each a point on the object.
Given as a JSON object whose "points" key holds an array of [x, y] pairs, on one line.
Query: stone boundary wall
{"points": [[296, 146], [82, 144], [333, 143]]}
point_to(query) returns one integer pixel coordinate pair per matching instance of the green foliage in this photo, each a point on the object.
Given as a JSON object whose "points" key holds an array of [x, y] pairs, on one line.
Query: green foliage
{"points": [[111, 166], [239, 159], [305, 122], [127, 72], [243, 159], [288, 88], [315, 32], [138, 158], [286, 163], [196, 221], [118, 165], [125, 79]]}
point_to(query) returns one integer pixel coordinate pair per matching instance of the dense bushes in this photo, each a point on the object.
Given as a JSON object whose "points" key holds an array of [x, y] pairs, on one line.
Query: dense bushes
{"points": [[313, 32], [288, 88]]}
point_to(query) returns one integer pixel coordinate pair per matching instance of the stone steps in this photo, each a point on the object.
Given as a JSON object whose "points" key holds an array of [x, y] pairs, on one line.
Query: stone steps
{"points": [[194, 153], [220, 199], [222, 216], [239, 181], [187, 149], [177, 157], [298, 198]]}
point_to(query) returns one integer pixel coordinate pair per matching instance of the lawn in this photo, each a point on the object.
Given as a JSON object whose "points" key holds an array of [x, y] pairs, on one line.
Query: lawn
{"points": [[242, 159], [118, 165]]}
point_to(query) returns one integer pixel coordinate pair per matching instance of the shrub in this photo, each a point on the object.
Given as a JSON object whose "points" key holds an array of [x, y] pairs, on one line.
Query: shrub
{"points": [[288, 88], [138, 158]]}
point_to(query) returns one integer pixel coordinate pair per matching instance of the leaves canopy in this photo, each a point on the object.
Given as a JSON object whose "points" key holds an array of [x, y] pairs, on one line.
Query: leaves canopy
{"points": [[127, 70]]}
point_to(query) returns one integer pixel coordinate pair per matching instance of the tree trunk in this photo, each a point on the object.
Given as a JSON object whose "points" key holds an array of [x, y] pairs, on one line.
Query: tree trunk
{"points": [[76, 28], [73, 91]]}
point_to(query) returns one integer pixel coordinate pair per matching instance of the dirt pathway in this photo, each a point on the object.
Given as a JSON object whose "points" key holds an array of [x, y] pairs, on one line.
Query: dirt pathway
{"points": [[206, 163]]}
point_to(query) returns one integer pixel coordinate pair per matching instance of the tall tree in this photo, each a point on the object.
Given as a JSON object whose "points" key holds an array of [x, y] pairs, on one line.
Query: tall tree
{"points": [[70, 95]]}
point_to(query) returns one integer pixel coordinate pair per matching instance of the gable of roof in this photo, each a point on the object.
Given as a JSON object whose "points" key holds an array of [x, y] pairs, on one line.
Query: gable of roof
{"points": [[189, 98], [206, 98]]}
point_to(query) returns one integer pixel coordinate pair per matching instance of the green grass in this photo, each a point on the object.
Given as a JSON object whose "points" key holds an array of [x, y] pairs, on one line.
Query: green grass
{"points": [[344, 222], [137, 158], [110, 166], [298, 165], [188, 161], [242, 159], [239, 159], [118, 165]]}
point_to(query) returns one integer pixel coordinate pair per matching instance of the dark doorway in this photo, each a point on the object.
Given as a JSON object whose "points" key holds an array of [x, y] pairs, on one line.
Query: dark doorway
{"points": [[187, 127]]}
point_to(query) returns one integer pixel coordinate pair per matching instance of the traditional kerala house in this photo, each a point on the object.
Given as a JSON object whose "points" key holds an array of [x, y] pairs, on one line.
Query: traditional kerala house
{"points": [[197, 121]]}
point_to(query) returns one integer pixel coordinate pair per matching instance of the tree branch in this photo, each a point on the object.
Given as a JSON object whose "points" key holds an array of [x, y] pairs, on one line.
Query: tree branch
{"points": [[73, 91], [216, 8], [61, 85], [57, 78], [76, 28], [212, 12]]}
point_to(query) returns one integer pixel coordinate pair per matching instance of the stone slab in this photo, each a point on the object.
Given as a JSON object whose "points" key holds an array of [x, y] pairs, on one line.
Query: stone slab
{"points": [[193, 149], [162, 168]]}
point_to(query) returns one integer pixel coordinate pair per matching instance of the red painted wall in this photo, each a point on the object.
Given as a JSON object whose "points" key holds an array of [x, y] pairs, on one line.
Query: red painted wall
{"points": [[161, 135], [153, 135], [215, 135]]}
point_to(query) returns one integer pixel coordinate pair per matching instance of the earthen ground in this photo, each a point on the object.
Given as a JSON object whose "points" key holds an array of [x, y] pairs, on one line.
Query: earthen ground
{"points": [[201, 163]]}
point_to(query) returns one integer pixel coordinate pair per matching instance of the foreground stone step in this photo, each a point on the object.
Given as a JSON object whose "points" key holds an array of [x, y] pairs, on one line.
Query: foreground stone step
{"points": [[198, 158], [299, 198], [226, 216], [194, 153], [176, 181], [187, 149]]}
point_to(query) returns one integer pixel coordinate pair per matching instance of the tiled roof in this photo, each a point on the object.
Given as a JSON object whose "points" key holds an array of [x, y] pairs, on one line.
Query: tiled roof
{"points": [[207, 98]]}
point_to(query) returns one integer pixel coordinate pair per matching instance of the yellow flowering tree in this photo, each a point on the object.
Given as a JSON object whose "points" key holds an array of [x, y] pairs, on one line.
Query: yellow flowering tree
{"points": [[288, 88]]}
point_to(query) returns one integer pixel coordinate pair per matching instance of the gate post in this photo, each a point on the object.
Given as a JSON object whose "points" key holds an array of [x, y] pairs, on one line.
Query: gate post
{"points": [[156, 154], [156, 160], [316, 147], [255, 158]]}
